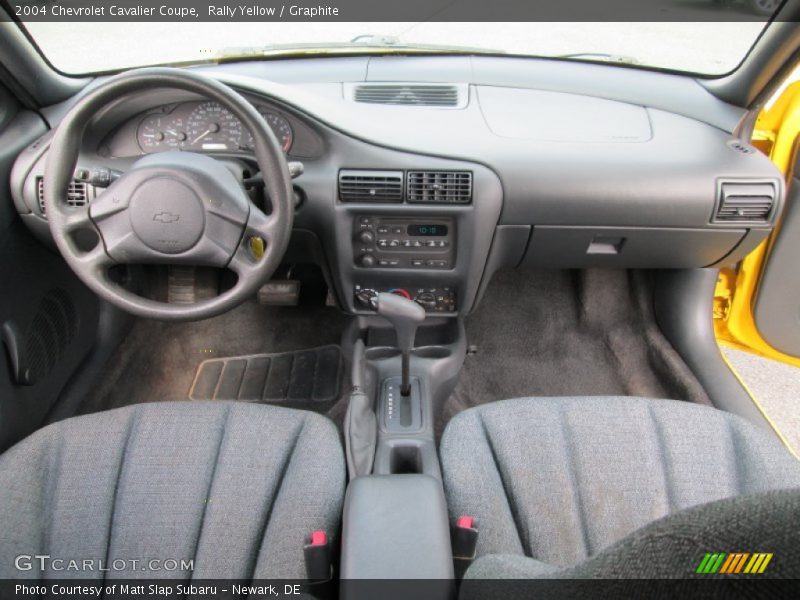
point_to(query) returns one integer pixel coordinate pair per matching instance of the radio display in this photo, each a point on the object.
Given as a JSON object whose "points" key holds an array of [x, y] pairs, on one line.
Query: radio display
{"points": [[427, 230]]}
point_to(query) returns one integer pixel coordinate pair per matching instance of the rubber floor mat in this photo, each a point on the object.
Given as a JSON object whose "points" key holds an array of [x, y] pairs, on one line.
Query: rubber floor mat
{"points": [[300, 376]]}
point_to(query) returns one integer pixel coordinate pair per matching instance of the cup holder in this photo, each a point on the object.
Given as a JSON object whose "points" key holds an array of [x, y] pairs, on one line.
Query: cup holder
{"points": [[381, 353], [405, 460], [432, 352]]}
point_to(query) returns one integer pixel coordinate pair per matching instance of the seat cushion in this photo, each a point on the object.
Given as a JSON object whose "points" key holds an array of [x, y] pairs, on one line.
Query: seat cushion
{"points": [[236, 488], [674, 547], [559, 479]]}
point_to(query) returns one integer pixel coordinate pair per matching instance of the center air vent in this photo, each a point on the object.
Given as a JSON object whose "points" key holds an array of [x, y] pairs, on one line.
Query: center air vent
{"points": [[77, 193], [370, 186], [440, 187], [411, 94], [745, 202]]}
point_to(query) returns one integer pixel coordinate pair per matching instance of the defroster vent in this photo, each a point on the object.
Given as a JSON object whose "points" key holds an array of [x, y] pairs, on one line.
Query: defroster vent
{"points": [[439, 187], [370, 186], [411, 94]]}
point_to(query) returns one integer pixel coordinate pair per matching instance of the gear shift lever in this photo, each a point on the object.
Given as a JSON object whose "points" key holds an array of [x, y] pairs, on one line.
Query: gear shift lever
{"points": [[405, 315]]}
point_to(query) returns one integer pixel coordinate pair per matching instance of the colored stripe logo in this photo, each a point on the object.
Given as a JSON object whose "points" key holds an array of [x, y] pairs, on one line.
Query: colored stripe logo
{"points": [[734, 563]]}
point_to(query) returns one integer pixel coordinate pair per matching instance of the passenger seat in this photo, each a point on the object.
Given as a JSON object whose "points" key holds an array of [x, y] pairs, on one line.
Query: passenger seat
{"points": [[567, 487]]}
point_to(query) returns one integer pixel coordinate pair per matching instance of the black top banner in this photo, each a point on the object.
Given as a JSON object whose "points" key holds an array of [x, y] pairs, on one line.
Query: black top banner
{"points": [[402, 10]]}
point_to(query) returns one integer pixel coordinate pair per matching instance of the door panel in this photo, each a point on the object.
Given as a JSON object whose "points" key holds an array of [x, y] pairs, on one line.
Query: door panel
{"points": [[777, 306], [48, 317], [757, 304]]}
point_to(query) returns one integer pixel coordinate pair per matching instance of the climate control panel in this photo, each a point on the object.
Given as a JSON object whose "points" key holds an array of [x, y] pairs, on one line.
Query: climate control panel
{"points": [[434, 300], [403, 243]]}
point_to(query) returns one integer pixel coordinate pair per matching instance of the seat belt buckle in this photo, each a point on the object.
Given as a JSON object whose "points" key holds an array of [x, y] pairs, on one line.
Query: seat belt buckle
{"points": [[317, 552], [464, 538]]}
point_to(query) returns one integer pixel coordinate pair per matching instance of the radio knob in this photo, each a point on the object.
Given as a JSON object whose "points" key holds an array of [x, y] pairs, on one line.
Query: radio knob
{"points": [[366, 237], [366, 260]]}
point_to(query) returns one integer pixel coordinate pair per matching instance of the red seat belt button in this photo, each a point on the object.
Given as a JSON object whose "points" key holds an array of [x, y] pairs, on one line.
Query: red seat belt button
{"points": [[465, 522], [319, 538]]}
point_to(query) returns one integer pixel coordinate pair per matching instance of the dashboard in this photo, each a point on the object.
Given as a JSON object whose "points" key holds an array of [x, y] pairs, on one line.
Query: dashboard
{"points": [[536, 165]]}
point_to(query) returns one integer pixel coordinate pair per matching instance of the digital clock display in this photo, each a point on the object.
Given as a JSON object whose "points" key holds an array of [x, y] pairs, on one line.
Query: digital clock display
{"points": [[427, 230]]}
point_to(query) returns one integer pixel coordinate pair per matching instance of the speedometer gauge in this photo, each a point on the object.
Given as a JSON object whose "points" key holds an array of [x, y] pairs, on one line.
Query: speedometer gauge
{"points": [[212, 127]]}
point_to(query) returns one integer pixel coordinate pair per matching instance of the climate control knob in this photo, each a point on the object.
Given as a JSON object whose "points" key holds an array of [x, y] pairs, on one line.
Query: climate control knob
{"points": [[426, 300], [366, 237], [367, 298], [366, 260]]}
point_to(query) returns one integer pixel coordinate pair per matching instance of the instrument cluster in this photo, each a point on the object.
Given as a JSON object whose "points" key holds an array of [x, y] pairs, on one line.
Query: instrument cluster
{"points": [[205, 126]]}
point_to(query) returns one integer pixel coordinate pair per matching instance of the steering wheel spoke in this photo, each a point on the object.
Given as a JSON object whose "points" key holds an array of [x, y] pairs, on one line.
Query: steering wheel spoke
{"points": [[262, 225], [97, 259], [111, 201], [76, 218]]}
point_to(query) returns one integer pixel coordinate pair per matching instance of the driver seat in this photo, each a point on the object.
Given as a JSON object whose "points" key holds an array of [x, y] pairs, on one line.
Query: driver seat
{"points": [[237, 488]]}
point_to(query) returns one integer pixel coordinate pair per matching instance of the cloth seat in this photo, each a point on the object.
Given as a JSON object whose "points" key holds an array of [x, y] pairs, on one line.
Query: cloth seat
{"points": [[559, 480], [236, 488]]}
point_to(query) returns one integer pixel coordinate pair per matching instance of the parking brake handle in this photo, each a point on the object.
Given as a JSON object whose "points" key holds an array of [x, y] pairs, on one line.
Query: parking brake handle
{"points": [[405, 316]]}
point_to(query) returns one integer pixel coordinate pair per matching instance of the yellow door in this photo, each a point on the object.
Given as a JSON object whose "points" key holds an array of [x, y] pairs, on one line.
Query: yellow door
{"points": [[757, 304]]}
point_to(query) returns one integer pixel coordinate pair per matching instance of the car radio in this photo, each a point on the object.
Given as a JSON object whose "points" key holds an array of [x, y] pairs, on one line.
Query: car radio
{"points": [[403, 243]]}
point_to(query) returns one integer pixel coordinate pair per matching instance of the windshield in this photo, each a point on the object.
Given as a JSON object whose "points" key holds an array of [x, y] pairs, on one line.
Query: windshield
{"points": [[705, 48]]}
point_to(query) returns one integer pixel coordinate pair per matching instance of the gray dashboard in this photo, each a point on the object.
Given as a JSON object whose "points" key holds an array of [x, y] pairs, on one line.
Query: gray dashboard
{"points": [[574, 165]]}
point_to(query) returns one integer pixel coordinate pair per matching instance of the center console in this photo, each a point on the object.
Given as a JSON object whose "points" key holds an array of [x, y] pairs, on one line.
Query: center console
{"points": [[396, 523], [425, 236]]}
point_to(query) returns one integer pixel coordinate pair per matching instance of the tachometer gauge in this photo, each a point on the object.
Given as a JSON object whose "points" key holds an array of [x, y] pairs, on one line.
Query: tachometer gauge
{"points": [[161, 132], [279, 125], [212, 127]]}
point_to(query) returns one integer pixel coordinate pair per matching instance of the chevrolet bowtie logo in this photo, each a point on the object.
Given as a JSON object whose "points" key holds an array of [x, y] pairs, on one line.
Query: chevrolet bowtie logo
{"points": [[166, 217]]}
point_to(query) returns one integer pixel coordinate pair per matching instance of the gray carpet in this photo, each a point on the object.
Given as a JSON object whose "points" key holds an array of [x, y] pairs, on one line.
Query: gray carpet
{"points": [[775, 385], [158, 361], [568, 333]]}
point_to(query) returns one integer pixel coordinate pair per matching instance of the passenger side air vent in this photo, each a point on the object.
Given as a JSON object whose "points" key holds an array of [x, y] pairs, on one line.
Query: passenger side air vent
{"points": [[370, 186], [439, 187], [412, 94], [77, 194], [745, 202]]}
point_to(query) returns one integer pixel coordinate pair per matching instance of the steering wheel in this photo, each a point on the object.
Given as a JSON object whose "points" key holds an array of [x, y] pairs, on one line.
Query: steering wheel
{"points": [[173, 208]]}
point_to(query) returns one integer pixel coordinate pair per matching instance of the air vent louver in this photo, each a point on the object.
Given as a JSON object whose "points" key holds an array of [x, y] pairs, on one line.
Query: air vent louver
{"points": [[77, 193], [371, 186], [742, 202], [441, 95], [439, 187]]}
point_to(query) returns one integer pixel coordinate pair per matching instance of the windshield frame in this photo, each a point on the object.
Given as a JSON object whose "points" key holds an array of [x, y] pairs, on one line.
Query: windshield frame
{"points": [[400, 50]]}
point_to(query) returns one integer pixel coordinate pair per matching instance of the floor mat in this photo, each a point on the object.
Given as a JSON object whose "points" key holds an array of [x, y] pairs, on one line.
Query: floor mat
{"points": [[300, 376], [775, 386], [576, 333], [158, 360]]}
